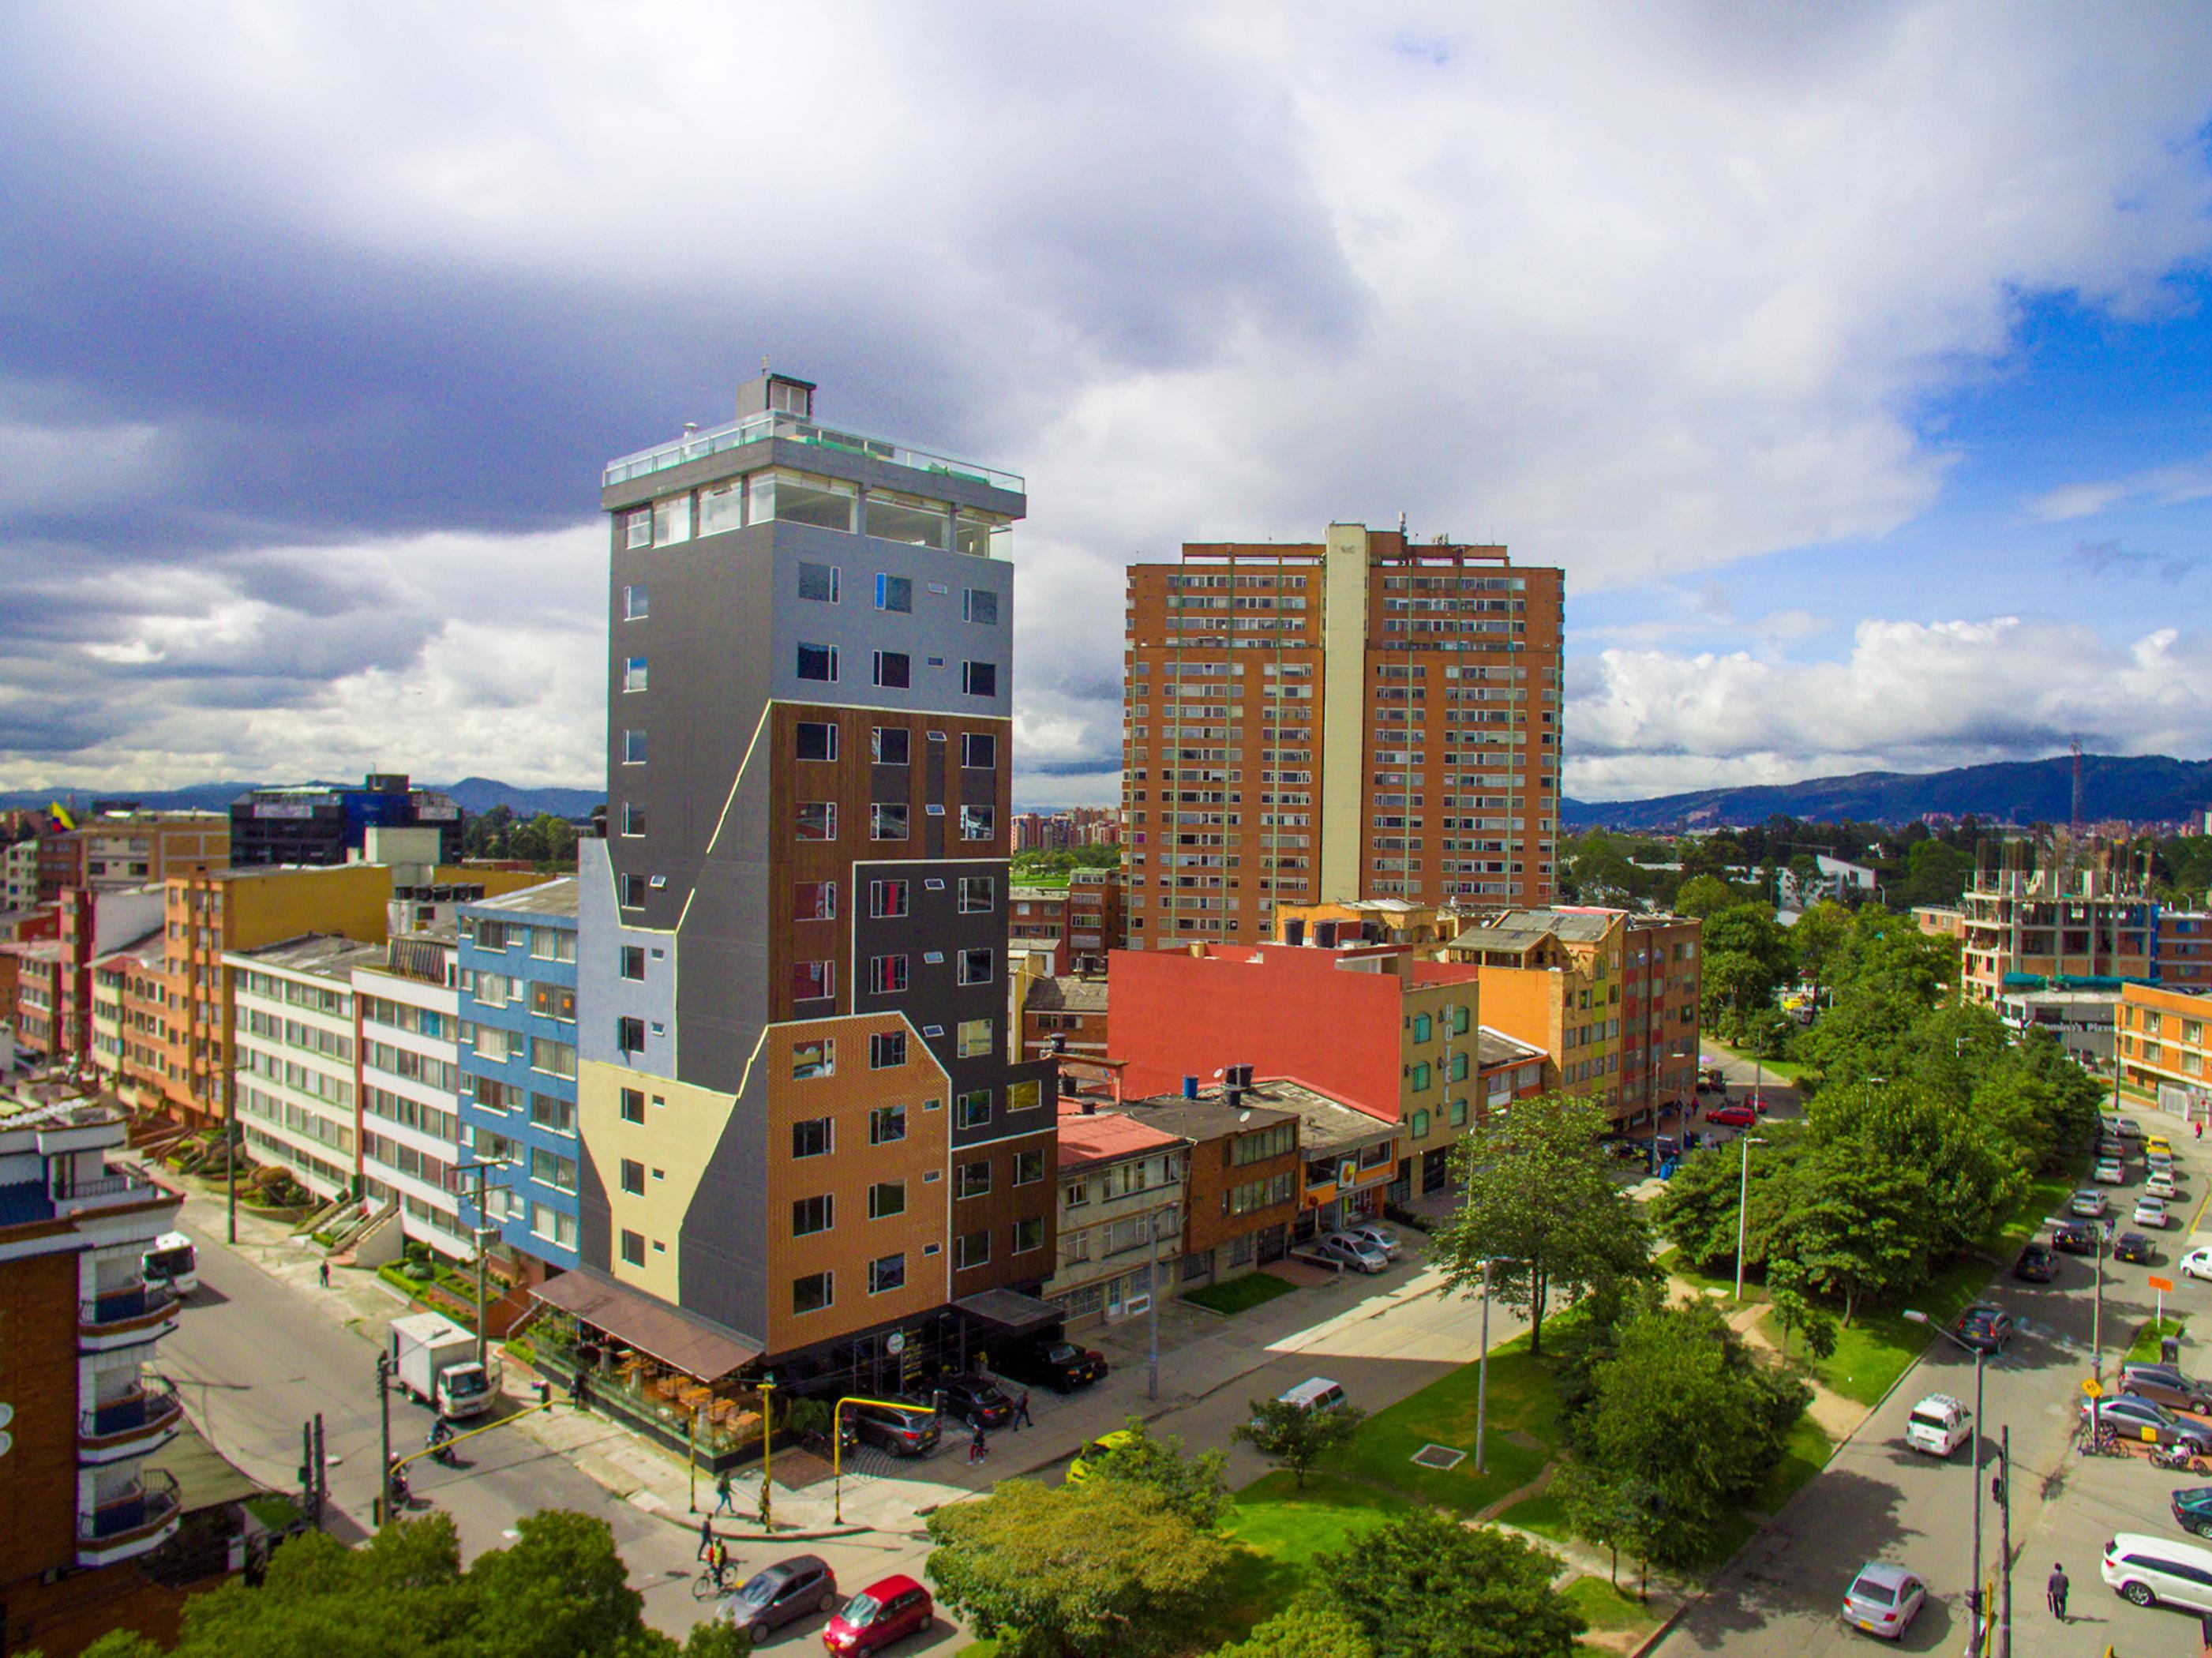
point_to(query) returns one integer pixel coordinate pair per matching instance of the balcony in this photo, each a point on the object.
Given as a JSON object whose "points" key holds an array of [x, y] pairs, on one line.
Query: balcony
{"points": [[758, 428], [138, 1423], [122, 1318], [137, 1522]]}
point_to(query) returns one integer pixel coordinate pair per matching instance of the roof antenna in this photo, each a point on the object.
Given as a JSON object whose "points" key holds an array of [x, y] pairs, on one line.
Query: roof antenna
{"points": [[1402, 522], [763, 362]]}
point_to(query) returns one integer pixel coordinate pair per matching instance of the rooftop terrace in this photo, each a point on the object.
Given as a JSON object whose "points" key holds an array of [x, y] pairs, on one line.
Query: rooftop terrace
{"points": [[759, 428]]}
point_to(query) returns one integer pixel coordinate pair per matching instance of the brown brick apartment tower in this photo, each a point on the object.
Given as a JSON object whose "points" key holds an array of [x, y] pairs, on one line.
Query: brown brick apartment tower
{"points": [[802, 1134], [1365, 717]]}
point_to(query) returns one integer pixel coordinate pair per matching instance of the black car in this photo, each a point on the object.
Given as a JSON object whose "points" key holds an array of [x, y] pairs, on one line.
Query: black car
{"points": [[1049, 1362], [2073, 1238], [2192, 1509], [976, 1400], [2036, 1263], [2135, 1246], [776, 1594], [1984, 1327], [907, 1428]]}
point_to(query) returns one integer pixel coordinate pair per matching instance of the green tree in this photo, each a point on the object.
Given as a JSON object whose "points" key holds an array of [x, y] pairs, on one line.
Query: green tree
{"points": [[1295, 1436], [1698, 1209], [1542, 1202], [1191, 1486], [1817, 939], [1863, 1228], [1701, 896], [1304, 1631], [1052, 1571], [1426, 1586], [1745, 955], [1967, 1169]]}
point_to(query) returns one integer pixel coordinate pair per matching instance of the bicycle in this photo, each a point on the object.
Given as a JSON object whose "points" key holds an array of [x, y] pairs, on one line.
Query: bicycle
{"points": [[2106, 1442], [710, 1583]]}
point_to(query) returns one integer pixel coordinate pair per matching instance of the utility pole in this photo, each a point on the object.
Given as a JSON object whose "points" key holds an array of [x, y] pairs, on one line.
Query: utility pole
{"points": [[2004, 1536], [767, 1444], [1152, 1306], [230, 1144], [481, 1173], [322, 1473], [383, 1414], [1743, 1207]]}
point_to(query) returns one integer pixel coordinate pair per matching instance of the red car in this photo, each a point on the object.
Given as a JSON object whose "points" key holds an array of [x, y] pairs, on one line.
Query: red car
{"points": [[884, 1612], [1732, 1116]]}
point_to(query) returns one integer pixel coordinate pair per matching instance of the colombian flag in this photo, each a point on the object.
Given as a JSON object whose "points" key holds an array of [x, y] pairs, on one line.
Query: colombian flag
{"points": [[62, 821]]}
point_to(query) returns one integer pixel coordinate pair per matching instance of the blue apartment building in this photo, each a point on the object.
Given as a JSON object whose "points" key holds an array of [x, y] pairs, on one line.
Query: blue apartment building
{"points": [[518, 1053]]}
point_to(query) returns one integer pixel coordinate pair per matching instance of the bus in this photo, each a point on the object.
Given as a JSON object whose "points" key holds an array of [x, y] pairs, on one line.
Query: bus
{"points": [[173, 1261]]}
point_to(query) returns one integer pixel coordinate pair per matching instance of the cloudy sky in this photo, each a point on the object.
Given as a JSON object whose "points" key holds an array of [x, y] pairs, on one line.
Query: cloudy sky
{"points": [[1851, 360]]}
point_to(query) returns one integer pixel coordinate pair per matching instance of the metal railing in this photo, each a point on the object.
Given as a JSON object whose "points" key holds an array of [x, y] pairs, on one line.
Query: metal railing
{"points": [[135, 1301], [100, 1186], [150, 1498], [758, 428], [154, 1402]]}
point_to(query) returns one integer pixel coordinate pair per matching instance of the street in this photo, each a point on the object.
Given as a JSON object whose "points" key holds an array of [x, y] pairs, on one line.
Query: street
{"points": [[1878, 1501]]}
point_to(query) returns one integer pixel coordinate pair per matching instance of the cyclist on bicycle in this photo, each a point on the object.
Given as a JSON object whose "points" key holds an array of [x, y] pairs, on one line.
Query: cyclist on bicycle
{"points": [[718, 1561]]}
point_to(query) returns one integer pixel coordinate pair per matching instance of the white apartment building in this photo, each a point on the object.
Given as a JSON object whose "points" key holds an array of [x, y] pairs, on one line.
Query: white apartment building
{"points": [[1121, 1216], [296, 1044], [410, 1008]]}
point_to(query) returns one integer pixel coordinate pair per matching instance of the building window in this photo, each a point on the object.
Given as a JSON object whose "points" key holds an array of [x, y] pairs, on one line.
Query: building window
{"points": [[972, 1249], [894, 592], [886, 1124], [980, 606], [809, 1216], [972, 1109], [979, 750], [637, 528], [886, 1049], [817, 739], [976, 966], [633, 1105], [977, 894], [919, 523], [891, 744], [816, 1059], [554, 1059], [633, 747], [886, 1199], [979, 679], [1420, 1078], [1423, 1028], [1076, 1193], [811, 1138], [630, 1035], [972, 1179], [634, 673], [1459, 1067], [633, 1247], [887, 822], [894, 670], [1419, 1123], [1459, 1114], [671, 520], [1028, 1166], [886, 1274], [1024, 1096], [973, 1039], [887, 900], [633, 1178], [814, 901], [1028, 1235], [722, 507], [814, 981], [887, 975], [632, 962], [554, 1115], [637, 603], [817, 820], [549, 1170], [817, 662], [818, 582], [802, 498], [977, 823], [813, 1293], [632, 818]]}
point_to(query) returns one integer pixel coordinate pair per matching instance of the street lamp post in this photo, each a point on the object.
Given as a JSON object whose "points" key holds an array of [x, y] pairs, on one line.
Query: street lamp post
{"points": [[1974, 1591], [1482, 1364], [1743, 1206]]}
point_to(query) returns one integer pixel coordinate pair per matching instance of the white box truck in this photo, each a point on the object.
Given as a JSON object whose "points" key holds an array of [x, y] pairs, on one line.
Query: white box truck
{"points": [[436, 1363]]}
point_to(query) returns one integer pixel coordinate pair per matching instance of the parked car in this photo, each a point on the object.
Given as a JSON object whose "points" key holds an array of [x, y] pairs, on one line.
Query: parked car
{"points": [[2168, 1385], [2192, 1509], [1939, 1425], [2150, 1212], [2197, 1263], [2156, 1144], [1732, 1116], [2146, 1421], [2150, 1569], [1052, 1362], [1340, 1249], [776, 1594], [2079, 1238], [2161, 1183], [1378, 1234], [2108, 1174], [909, 1427], [2127, 1128], [2036, 1263], [1316, 1392], [1883, 1600], [888, 1610], [2135, 1246], [2161, 1162], [1078, 1470], [1984, 1327], [2088, 1202], [976, 1400]]}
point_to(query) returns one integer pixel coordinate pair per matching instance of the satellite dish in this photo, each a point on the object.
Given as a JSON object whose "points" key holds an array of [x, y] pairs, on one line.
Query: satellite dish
{"points": [[1243, 1116]]}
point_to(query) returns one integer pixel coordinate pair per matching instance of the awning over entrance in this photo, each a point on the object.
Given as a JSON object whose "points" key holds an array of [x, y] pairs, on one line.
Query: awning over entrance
{"points": [[691, 1344], [1009, 1310]]}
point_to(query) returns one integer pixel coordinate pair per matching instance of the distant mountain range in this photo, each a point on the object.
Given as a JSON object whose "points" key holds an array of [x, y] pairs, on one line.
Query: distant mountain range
{"points": [[473, 794], [2141, 787]]}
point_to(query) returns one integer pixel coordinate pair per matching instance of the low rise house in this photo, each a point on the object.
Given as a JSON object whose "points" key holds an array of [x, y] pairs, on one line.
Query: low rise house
{"points": [[1121, 1214], [1064, 1015]]}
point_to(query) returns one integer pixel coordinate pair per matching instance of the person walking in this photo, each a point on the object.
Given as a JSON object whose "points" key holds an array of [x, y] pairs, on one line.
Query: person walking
{"points": [[323, 1268], [706, 1537], [1022, 1418], [722, 1502], [2055, 1592], [978, 1446]]}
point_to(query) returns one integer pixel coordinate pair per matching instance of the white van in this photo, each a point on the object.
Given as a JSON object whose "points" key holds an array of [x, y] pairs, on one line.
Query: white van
{"points": [[1315, 1394], [1939, 1425], [2149, 1570]]}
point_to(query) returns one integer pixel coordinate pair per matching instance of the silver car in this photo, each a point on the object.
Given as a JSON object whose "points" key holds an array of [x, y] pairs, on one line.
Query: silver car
{"points": [[1883, 1600], [1380, 1236], [1342, 1249]]}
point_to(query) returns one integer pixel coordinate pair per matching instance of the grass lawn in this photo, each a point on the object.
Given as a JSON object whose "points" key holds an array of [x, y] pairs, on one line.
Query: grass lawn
{"points": [[1543, 1514], [1674, 1263], [1606, 1609], [1240, 1295], [1804, 1453], [2144, 1347], [1521, 1402], [1787, 1070]]}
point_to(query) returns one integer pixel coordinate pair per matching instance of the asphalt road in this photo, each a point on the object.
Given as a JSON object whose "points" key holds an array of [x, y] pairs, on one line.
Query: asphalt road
{"points": [[1877, 1500]]}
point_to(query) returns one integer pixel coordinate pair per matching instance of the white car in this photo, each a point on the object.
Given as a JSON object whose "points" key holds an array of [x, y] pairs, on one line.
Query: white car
{"points": [[2150, 1212], [2108, 1174], [2127, 1128], [2197, 1263], [1939, 1425], [2159, 1185], [2088, 1203], [1380, 1236]]}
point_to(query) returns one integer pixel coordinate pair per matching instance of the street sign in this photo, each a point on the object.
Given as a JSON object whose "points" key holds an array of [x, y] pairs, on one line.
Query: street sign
{"points": [[2092, 1387], [2161, 1285]]}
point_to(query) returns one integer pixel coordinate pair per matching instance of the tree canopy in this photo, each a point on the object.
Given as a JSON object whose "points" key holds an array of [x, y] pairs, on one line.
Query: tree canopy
{"points": [[1296, 1436], [1192, 1486], [1427, 1586]]}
